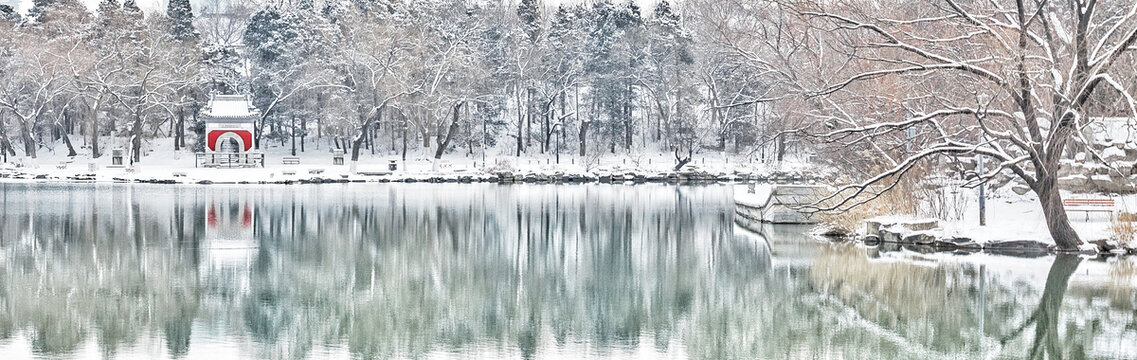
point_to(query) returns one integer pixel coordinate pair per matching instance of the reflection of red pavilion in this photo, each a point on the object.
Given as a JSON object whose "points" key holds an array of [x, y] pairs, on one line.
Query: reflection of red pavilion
{"points": [[246, 217], [229, 245], [229, 222]]}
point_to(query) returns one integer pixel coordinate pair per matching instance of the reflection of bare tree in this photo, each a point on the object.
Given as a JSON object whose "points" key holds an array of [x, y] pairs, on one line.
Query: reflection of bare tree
{"points": [[1046, 344]]}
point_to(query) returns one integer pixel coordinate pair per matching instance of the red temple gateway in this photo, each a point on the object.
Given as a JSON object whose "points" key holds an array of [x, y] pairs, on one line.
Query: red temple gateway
{"points": [[229, 123]]}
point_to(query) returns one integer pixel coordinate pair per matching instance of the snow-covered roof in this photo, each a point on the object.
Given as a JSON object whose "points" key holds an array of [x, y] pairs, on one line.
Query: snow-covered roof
{"points": [[230, 107]]}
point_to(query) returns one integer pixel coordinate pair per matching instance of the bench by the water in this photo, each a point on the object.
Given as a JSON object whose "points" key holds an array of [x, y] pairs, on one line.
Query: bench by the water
{"points": [[373, 173], [1088, 206], [290, 160]]}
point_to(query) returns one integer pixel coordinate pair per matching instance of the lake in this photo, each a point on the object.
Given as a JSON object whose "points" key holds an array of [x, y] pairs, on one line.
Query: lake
{"points": [[518, 271]]}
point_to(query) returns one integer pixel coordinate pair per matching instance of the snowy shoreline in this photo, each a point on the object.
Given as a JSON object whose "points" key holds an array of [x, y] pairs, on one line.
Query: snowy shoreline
{"points": [[180, 167], [321, 176]]}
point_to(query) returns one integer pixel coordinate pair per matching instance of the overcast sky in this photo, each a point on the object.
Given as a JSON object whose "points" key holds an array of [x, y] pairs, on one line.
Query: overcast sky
{"points": [[146, 5]]}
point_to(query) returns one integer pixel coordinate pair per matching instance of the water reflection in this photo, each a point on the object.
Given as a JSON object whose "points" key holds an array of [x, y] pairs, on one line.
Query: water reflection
{"points": [[519, 271]]}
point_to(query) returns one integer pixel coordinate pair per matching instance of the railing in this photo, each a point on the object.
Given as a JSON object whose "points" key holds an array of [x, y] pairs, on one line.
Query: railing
{"points": [[230, 160]]}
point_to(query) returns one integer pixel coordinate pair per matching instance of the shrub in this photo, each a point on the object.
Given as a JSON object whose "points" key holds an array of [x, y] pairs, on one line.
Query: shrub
{"points": [[1123, 228]]}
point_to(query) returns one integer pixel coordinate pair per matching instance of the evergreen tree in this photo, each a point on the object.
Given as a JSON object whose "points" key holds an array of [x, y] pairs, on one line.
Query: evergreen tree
{"points": [[130, 8], [181, 20], [529, 12]]}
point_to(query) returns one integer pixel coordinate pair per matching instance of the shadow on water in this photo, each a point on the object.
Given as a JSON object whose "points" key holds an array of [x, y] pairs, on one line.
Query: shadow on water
{"points": [[506, 271]]}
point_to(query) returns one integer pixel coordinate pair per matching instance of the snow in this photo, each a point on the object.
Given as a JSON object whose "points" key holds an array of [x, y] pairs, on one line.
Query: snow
{"points": [[1019, 217], [162, 163], [1112, 152], [758, 198], [229, 106]]}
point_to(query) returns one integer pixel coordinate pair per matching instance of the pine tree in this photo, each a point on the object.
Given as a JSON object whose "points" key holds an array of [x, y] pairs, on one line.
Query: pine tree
{"points": [[529, 12], [130, 8], [181, 20]]}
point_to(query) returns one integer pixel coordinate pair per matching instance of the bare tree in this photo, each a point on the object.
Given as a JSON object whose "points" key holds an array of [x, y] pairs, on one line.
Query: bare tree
{"points": [[911, 81], [33, 81]]}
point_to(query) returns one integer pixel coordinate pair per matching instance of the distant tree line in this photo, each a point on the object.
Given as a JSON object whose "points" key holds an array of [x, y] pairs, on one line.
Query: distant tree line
{"points": [[382, 77]]}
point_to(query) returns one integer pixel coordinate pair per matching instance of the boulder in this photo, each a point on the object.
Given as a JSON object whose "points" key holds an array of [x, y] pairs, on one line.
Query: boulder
{"points": [[919, 225], [1124, 168], [1105, 245], [872, 227], [871, 239], [1069, 167], [919, 238], [1020, 189], [1025, 248], [1075, 183], [1114, 153], [890, 235], [956, 243], [1111, 184]]}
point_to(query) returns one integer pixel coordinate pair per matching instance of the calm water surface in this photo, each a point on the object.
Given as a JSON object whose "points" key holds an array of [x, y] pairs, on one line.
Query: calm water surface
{"points": [[488, 271]]}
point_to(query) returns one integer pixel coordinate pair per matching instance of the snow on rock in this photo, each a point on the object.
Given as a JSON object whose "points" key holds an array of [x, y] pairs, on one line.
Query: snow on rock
{"points": [[1113, 153]]}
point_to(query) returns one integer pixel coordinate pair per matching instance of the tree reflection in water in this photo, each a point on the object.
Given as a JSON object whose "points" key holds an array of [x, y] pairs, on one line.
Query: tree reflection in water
{"points": [[379, 271], [1046, 344]]}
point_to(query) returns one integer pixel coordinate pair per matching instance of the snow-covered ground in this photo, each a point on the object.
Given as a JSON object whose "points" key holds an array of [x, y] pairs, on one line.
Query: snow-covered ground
{"points": [[1019, 217], [163, 163], [1009, 216]]}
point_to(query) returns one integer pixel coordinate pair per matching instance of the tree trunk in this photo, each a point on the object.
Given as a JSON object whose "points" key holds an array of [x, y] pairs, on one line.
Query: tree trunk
{"points": [[681, 161], [781, 146], [66, 141], [26, 138], [5, 143], [136, 139], [95, 132], [449, 133], [363, 131], [1064, 235], [180, 132], [529, 95], [584, 136], [520, 122], [404, 117], [547, 126], [358, 142], [628, 119]]}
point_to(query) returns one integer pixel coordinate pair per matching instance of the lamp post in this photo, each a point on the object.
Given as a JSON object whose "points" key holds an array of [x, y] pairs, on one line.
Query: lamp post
{"points": [[560, 136], [982, 194]]}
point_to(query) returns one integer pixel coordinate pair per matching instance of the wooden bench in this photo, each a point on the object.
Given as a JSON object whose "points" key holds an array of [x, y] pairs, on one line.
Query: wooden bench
{"points": [[373, 173], [1089, 205], [290, 160]]}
